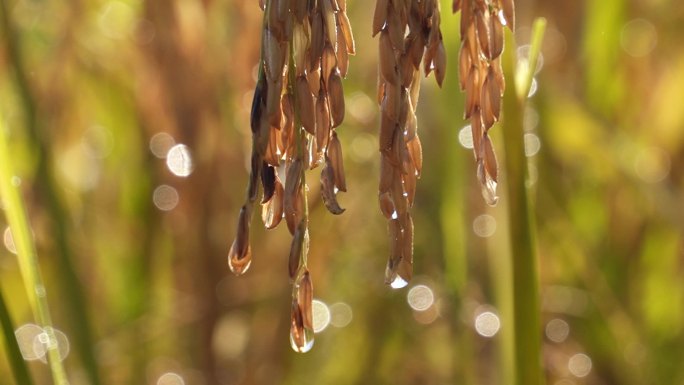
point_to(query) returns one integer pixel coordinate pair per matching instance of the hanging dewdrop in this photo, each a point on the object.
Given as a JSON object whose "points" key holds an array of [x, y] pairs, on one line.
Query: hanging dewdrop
{"points": [[409, 33], [481, 77], [298, 102]]}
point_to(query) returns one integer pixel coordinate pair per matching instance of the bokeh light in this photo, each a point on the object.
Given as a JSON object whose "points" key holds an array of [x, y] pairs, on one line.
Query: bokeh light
{"points": [[465, 137], [340, 314], [34, 342], [484, 225], [170, 379], [532, 144], [638, 37], [579, 365], [321, 315], [9, 241], [179, 160], [165, 197], [420, 297], [557, 330], [652, 164], [160, 144], [487, 324]]}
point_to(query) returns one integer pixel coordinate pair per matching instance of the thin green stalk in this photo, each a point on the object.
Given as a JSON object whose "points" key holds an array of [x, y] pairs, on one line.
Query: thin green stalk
{"points": [[46, 185], [26, 255], [19, 369], [526, 308]]}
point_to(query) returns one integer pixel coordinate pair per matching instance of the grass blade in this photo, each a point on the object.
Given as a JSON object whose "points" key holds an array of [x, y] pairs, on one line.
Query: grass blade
{"points": [[526, 307], [68, 278], [26, 255]]}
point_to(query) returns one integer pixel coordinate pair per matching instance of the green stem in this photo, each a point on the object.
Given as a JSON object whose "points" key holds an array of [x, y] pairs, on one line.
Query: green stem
{"points": [[46, 185], [526, 308], [26, 255], [525, 71], [19, 369]]}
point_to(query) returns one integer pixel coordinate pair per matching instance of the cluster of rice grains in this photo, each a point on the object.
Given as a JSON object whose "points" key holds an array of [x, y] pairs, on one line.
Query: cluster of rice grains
{"points": [[298, 102], [480, 75], [409, 33]]}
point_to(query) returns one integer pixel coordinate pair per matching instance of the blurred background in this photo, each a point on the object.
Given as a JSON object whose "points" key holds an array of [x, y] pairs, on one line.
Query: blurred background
{"points": [[129, 128]]}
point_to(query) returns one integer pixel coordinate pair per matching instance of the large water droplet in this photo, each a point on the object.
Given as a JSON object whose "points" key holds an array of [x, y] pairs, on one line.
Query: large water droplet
{"points": [[394, 271], [398, 282], [301, 340], [489, 191], [239, 266]]}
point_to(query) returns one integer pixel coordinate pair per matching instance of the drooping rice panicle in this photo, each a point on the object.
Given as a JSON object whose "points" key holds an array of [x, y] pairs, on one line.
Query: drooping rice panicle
{"points": [[298, 104], [409, 34]]}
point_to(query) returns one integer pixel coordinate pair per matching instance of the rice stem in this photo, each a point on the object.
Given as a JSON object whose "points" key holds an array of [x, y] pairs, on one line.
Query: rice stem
{"points": [[526, 302], [27, 257]]}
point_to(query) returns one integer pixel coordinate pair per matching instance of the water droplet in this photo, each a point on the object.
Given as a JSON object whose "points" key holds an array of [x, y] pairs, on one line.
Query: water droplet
{"points": [[579, 365], [487, 185], [161, 143], [487, 324], [398, 282], [489, 193], [392, 273], [179, 160], [321, 316], [557, 330], [302, 343], [420, 297], [239, 266]]}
